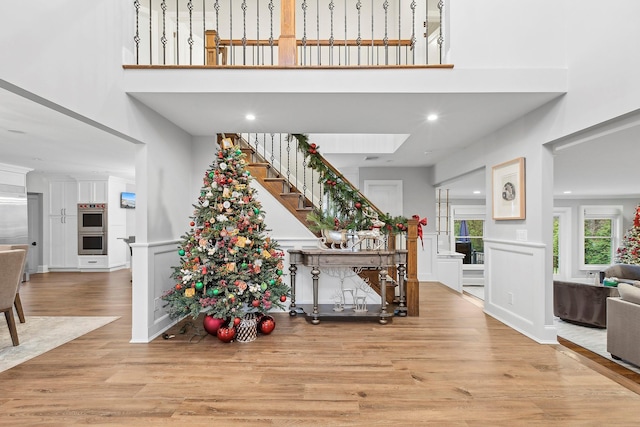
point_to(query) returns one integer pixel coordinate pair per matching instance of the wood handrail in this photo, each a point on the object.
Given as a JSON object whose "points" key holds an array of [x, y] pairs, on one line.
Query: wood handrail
{"points": [[311, 43]]}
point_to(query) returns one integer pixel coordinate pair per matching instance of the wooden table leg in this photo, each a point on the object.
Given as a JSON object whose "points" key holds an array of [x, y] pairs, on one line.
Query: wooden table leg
{"points": [[383, 296], [402, 306], [292, 271], [315, 273]]}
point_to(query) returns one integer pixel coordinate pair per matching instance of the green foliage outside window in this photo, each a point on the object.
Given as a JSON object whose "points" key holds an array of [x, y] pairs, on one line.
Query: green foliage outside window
{"points": [[597, 241]]}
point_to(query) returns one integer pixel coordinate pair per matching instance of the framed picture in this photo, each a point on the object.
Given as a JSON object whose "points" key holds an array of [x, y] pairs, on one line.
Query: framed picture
{"points": [[508, 184]]}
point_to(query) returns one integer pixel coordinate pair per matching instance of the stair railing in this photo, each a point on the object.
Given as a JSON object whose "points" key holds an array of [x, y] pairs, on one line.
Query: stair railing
{"points": [[286, 160]]}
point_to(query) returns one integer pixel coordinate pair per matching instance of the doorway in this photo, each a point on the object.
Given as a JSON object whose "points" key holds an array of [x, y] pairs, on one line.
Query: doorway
{"points": [[34, 212]]}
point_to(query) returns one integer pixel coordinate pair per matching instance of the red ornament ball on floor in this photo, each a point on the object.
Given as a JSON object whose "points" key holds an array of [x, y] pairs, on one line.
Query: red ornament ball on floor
{"points": [[212, 324], [226, 334], [267, 324]]}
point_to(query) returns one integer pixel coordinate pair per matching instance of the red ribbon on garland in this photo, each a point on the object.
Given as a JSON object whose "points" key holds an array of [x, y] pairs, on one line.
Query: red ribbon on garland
{"points": [[421, 222]]}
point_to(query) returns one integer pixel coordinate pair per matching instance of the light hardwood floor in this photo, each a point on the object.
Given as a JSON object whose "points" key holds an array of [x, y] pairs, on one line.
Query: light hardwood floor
{"points": [[453, 365]]}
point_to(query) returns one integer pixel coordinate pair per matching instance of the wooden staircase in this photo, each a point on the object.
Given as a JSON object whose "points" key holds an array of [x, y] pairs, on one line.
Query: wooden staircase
{"points": [[299, 206], [288, 195]]}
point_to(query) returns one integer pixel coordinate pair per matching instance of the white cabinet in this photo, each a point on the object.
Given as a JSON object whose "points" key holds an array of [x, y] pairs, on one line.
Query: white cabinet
{"points": [[63, 224], [63, 198], [63, 232], [93, 192]]}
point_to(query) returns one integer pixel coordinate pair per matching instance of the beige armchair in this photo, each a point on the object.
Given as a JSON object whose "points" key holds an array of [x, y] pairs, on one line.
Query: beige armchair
{"points": [[17, 302], [623, 316], [11, 264]]}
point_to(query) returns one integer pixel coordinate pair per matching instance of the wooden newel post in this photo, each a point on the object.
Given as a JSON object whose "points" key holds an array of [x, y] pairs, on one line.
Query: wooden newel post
{"points": [[287, 49], [413, 288]]}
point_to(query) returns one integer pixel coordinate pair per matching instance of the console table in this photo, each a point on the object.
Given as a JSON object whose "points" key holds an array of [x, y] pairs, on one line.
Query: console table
{"points": [[318, 258]]}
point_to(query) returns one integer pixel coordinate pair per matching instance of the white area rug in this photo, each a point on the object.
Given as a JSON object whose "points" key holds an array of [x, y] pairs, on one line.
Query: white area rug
{"points": [[41, 334]]}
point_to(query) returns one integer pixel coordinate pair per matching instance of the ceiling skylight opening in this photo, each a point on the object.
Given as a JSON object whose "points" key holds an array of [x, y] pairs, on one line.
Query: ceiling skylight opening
{"points": [[432, 117], [250, 117], [476, 192]]}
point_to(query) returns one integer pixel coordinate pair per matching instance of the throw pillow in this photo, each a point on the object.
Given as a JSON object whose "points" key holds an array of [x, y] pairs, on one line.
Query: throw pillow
{"points": [[629, 293]]}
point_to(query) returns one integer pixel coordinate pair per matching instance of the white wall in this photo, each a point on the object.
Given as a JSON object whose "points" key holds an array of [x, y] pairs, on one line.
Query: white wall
{"points": [[506, 33]]}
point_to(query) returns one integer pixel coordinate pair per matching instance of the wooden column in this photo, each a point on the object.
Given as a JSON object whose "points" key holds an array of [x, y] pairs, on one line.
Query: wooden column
{"points": [[287, 52], [413, 288]]}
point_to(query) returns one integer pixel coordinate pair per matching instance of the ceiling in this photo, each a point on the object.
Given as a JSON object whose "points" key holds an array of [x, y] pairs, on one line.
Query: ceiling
{"points": [[41, 138]]}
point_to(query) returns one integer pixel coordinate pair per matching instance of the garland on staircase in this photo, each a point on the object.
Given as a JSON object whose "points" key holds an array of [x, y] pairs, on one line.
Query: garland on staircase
{"points": [[348, 208]]}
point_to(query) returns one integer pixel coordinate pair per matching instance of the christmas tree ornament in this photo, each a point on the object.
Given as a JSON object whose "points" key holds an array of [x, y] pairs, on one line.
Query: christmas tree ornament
{"points": [[236, 321], [272, 282], [222, 166], [215, 291], [283, 298], [255, 303], [226, 334], [211, 292], [199, 286], [256, 211], [178, 286], [263, 286], [181, 252], [189, 292], [192, 223], [279, 272], [267, 324], [212, 324]]}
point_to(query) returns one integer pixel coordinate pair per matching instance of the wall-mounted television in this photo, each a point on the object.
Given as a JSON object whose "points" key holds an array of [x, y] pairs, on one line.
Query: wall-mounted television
{"points": [[127, 200]]}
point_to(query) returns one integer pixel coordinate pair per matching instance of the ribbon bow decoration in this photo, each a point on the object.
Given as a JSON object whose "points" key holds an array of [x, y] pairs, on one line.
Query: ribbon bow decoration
{"points": [[421, 222]]}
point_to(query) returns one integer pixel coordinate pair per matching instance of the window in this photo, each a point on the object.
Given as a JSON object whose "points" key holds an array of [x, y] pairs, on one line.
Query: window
{"points": [[601, 230], [468, 233]]}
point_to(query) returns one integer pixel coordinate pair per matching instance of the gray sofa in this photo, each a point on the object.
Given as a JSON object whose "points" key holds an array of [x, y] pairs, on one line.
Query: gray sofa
{"points": [[582, 303], [623, 316], [625, 273]]}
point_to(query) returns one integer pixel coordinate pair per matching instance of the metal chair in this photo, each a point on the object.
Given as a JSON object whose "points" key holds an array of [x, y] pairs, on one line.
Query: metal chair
{"points": [[17, 302], [11, 264]]}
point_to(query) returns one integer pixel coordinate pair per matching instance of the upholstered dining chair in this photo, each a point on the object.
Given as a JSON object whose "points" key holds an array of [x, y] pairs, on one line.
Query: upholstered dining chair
{"points": [[17, 302], [10, 272]]}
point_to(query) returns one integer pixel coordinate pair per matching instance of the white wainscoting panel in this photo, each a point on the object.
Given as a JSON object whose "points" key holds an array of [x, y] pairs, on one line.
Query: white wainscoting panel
{"points": [[151, 277], [518, 289], [427, 258]]}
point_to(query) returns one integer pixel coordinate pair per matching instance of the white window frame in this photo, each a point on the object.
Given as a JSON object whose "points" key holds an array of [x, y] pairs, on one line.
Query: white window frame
{"points": [[564, 215], [612, 212], [468, 212]]}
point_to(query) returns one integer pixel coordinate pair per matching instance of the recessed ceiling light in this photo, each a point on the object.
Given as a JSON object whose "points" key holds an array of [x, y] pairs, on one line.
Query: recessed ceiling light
{"points": [[371, 157], [250, 117], [432, 117], [476, 192], [567, 192]]}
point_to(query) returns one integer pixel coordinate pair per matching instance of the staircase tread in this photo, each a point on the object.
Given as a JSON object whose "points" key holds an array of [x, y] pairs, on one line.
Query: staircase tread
{"points": [[262, 164], [275, 179]]}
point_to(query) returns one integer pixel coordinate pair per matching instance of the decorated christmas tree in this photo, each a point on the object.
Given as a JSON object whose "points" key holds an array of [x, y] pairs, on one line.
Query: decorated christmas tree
{"points": [[629, 252], [229, 267]]}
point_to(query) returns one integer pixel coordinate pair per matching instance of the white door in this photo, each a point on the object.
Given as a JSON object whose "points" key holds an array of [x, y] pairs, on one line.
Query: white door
{"points": [[385, 194]]}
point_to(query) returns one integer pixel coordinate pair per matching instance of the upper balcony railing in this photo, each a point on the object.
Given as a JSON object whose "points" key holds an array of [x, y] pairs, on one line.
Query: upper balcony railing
{"points": [[290, 33]]}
